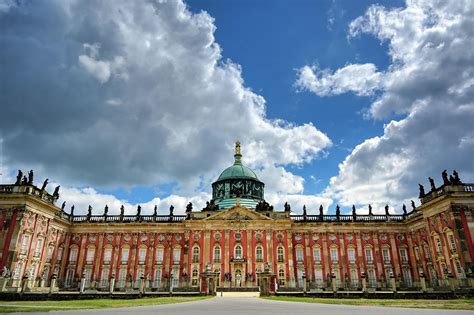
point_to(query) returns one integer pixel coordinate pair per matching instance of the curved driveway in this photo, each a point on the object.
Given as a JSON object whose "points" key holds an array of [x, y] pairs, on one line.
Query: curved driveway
{"points": [[256, 306]]}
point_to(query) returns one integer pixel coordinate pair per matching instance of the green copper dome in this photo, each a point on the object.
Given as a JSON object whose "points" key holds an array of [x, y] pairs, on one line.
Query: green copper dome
{"points": [[237, 171], [237, 181]]}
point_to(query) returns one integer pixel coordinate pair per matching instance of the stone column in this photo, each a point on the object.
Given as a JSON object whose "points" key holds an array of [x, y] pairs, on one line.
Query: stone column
{"points": [[291, 268], [393, 283], [112, 284], [422, 283], [364, 282], [52, 286], [142, 285], [309, 264], [83, 285]]}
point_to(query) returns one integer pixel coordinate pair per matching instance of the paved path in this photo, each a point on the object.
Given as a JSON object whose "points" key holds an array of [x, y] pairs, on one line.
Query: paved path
{"points": [[256, 306]]}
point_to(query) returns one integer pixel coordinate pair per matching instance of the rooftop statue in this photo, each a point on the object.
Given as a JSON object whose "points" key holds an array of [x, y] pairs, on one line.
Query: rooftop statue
{"points": [[56, 192], [72, 211], [370, 209], [287, 207], [24, 181], [413, 205], [304, 210], [30, 177], [386, 210], [457, 180], [189, 207], [422, 191], [63, 206], [338, 211], [19, 177], [237, 147], [321, 210], [432, 184], [122, 210], [353, 210], [155, 211], [404, 209], [171, 210], [446, 180], [45, 183], [106, 210], [139, 210], [89, 211]]}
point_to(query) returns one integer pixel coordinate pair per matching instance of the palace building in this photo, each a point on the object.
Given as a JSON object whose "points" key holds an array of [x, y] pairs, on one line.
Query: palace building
{"points": [[237, 240]]}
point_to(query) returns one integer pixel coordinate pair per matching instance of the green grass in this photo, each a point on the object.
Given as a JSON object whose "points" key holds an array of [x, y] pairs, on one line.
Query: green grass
{"points": [[454, 304], [46, 306]]}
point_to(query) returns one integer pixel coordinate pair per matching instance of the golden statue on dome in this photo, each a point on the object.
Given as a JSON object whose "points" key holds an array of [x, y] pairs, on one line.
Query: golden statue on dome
{"points": [[237, 147]]}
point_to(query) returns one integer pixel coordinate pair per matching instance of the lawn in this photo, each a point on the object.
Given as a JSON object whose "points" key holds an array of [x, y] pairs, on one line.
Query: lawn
{"points": [[454, 304], [46, 306]]}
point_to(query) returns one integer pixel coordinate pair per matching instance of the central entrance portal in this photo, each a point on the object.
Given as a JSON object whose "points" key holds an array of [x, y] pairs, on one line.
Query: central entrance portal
{"points": [[238, 278]]}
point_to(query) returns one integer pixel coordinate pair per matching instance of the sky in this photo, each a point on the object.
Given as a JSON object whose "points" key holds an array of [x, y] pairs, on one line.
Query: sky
{"points": [[140, 102]]}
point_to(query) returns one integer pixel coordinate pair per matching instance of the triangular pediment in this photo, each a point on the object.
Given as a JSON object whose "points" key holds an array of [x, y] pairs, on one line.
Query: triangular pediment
{"points": [[238, 213]]}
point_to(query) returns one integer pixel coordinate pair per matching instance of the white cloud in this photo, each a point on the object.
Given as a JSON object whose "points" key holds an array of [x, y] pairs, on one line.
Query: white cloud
{"points": [[430, 81], [361, 79], [137, 93]]}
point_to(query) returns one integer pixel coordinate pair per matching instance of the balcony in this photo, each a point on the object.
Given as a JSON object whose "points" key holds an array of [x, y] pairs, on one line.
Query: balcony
{"points": [[217, 260], [238, 259]]}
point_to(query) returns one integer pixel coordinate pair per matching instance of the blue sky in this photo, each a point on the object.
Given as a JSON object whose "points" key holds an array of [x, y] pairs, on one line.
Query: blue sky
{"points": [[335, 102]]}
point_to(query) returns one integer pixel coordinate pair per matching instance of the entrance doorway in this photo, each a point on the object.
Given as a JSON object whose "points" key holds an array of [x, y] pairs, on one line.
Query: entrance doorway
{"points": [[238, 278]]}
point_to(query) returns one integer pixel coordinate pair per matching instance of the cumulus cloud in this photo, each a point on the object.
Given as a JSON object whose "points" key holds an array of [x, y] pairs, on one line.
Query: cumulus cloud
{"points": [[124, 93], [430, 82], [361, 79]]}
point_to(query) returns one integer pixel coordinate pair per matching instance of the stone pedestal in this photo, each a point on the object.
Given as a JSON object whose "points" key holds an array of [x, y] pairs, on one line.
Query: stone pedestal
{"points": [[142, 285], [3, 284], [452, 283], [423, 283], [52, 286], [264, 279], [393, 283], [333, 280], [305, 285], [364, 283], [112, 285], [24, 284], [82, 286]]}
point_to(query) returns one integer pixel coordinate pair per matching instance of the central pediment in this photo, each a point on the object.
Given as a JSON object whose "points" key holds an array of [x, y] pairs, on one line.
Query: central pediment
{"points": [[238, 213]]}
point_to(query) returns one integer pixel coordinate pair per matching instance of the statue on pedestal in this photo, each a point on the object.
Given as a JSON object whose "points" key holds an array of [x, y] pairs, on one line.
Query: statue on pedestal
{"points": [[19, 177], [30, 177], [432, 184], [321, 210], [287, 207], [56, 192], [370, 209], [63, 206], [386, 210], [422, 191], [189, 207], [446, 180], [45, 183]]}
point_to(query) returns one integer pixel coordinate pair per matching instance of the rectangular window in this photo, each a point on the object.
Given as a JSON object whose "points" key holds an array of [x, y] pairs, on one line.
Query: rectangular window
{"points": [[299, 254], [50, 254], [39, 247], [386, 255], [176, 255], [104, 279], [125, 252], [334, 256], [17, 273], [159, 255], [107, 255], [60, 254], [122, 278], [69, 277], [403, 255], [24, 244], [372, 279], [142, 255], [368, 256], [157, 283], [318, 276], [90, 255], [317, 255], [73, 255], [439, 248], [452, 243], [354, 278], [351, 255]]}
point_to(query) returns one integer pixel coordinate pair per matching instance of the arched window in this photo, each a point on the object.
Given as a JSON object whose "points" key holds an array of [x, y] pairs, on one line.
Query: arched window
{"points": [[259, 254], [159, 255], [90, 255], [281, 277], [73, 255], [299, 254], [142, 255], [124, 255], [280, 254], [217, 253], [238, 252], [195, 254], [317, 255]]}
